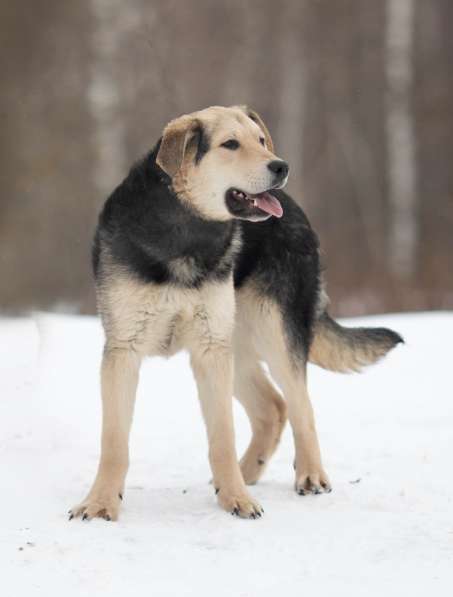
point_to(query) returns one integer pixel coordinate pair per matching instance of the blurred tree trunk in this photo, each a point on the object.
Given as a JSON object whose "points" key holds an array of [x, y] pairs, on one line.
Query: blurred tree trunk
{"points": [[434, 129], [104, 93], [401, 168]]}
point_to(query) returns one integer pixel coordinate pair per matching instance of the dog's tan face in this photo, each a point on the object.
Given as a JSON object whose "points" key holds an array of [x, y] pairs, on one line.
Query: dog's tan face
{"points": [[221, 161]]}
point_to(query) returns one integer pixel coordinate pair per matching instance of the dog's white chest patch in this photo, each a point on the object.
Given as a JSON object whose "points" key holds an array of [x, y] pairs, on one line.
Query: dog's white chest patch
{"points": [[162, 319]]}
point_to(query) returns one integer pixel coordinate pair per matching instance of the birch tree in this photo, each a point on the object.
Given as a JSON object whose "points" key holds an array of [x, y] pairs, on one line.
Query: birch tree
{"points": [[112, 20], [401, 166]]}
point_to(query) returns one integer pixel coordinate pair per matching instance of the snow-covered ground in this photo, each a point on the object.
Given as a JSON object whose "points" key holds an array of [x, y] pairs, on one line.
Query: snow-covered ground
{"points": [[386, 437]]}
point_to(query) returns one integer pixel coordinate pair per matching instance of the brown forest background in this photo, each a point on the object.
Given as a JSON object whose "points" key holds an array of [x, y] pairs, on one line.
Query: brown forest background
{"points": [[357, 93]]}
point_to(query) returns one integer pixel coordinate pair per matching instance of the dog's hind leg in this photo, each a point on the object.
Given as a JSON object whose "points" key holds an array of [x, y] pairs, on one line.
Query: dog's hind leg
{"points": [[310, 474], [289, 372], [119, 378], [264, 407], [291, 377]]}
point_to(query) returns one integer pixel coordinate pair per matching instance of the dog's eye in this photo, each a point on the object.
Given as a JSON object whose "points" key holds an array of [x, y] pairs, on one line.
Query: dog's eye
{"points": [[230, 144], [262, 140]]}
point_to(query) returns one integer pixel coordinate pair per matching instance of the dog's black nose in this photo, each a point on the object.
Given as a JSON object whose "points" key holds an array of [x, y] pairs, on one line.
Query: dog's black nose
{"points": [[280, 168]]}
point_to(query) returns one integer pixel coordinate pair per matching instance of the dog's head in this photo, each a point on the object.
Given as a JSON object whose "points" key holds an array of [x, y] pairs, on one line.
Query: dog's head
{"points": [[222, 161]]}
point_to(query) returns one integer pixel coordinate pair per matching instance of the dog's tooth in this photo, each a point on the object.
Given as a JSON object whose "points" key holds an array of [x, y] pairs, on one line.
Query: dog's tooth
{"points": [[255, 203]]}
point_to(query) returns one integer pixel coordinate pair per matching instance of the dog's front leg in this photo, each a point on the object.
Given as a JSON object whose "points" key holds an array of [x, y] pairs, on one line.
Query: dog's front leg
{"points": [[213, 369], [119, 378]]}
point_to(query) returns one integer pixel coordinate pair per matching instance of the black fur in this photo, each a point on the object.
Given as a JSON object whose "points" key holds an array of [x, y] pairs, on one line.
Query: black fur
{"points": [[145, 226], [281, 255], [359, 339], [202, 142]]}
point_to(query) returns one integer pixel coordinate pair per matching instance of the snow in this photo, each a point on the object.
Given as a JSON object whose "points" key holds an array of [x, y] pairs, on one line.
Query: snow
{"points": [[386, 438]]}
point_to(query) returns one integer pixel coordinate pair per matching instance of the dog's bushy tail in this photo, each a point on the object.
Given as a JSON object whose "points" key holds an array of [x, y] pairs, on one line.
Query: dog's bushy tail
{"points": [[344, 350]]}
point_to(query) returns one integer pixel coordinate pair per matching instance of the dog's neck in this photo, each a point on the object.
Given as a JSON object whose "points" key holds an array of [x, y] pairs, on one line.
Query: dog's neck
{"points": [[173, 238]]}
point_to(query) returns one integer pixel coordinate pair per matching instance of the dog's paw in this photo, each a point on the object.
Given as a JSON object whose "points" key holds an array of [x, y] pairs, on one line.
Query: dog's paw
{"points": [[98, 504], [239, 504], [314, 482]]}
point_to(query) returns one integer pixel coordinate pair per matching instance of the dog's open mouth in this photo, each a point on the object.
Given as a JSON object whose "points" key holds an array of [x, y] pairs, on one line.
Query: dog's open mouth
{"points": [[253, 207]]}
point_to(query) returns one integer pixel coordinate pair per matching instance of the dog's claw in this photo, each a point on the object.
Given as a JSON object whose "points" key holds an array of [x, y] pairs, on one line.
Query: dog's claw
{"points": [[120, 495], [85, 516], [314, 483], [71, 516]]}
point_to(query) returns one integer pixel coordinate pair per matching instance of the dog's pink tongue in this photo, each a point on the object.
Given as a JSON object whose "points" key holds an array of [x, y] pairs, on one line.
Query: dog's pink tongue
{"points": [[269, 204]]}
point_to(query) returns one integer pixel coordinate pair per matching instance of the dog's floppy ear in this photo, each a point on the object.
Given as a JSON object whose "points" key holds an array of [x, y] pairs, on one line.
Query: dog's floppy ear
{"points": [[174, 141], [258, 120]]}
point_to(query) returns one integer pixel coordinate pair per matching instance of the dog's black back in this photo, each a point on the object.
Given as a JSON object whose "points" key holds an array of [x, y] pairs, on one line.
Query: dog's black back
{"points": [[281, 257]]}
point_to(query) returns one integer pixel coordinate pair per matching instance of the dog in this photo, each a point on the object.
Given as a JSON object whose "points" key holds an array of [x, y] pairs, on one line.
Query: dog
{"points": [[200, 249]]}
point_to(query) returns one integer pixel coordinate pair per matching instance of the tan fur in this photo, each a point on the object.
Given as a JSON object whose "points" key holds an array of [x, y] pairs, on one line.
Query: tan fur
{"points": [[259, 121], [174, 142], [329, 352], [263, 405], [203, 186], [344, 349], [260, 332], [119, 377], [144, 319]]}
